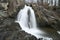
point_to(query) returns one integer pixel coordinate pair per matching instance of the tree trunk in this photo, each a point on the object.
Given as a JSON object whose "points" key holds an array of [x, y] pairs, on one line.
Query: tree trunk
{"points": [[59, 2], [42, 2]]}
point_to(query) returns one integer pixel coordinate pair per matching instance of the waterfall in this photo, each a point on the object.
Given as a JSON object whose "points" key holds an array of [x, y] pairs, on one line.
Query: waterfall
{"points": [[26, 19], [31, 1]]}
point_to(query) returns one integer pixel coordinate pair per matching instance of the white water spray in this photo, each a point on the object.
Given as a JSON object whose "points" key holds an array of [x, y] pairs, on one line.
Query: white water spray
{"points": [[26, 19]]}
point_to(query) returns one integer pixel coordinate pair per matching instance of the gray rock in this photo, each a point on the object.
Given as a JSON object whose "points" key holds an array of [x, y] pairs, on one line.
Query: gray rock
{"points": [[3, 14], [9, 30]]}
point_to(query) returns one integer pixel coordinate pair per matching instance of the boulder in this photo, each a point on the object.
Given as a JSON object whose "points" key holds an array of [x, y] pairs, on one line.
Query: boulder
{"points": [[3, 14], [3, 6]]}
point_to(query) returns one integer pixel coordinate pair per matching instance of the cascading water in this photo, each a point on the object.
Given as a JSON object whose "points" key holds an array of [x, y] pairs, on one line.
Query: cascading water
{"points": [[26, 19]]}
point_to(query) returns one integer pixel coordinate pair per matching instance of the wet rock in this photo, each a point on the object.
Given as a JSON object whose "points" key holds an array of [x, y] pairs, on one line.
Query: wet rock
{"points": [[9, 24], [16, 35], [3, 14], [3, 6], [10, 30]]}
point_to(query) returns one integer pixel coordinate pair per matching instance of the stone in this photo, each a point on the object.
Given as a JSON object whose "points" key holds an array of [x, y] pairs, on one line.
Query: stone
{"points": [[14, 6], [3, 14], [10, 30], [3, 6]]}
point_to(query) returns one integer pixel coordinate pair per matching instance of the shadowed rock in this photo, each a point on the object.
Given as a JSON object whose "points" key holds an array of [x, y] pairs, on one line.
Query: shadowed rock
{"points": [[9, 30]]}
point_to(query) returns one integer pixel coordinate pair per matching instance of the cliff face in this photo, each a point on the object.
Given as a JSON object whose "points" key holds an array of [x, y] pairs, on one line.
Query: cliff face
{"points": [[47, 20], [46, 17], [11, 6], [14, 5]]}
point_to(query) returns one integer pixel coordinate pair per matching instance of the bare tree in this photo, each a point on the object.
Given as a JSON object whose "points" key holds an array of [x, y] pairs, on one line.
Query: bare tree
{"points": [[59, 2], [42, 2]]}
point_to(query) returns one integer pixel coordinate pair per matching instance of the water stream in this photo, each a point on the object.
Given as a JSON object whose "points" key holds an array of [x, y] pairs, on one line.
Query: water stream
{"points": [[26, 19]]}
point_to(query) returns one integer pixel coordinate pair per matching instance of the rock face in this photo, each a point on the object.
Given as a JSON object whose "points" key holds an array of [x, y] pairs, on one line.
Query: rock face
{"points": [[14, 5], [9, 30], [11, 6], [46, 18], [3, 6]]}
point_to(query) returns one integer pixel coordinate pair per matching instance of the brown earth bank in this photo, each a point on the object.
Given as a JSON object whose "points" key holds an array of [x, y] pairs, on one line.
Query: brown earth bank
{"points": [[47, 20]]}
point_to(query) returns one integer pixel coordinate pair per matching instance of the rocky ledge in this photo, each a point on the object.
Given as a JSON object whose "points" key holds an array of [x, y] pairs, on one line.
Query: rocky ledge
{"points": [[9, 30]]}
